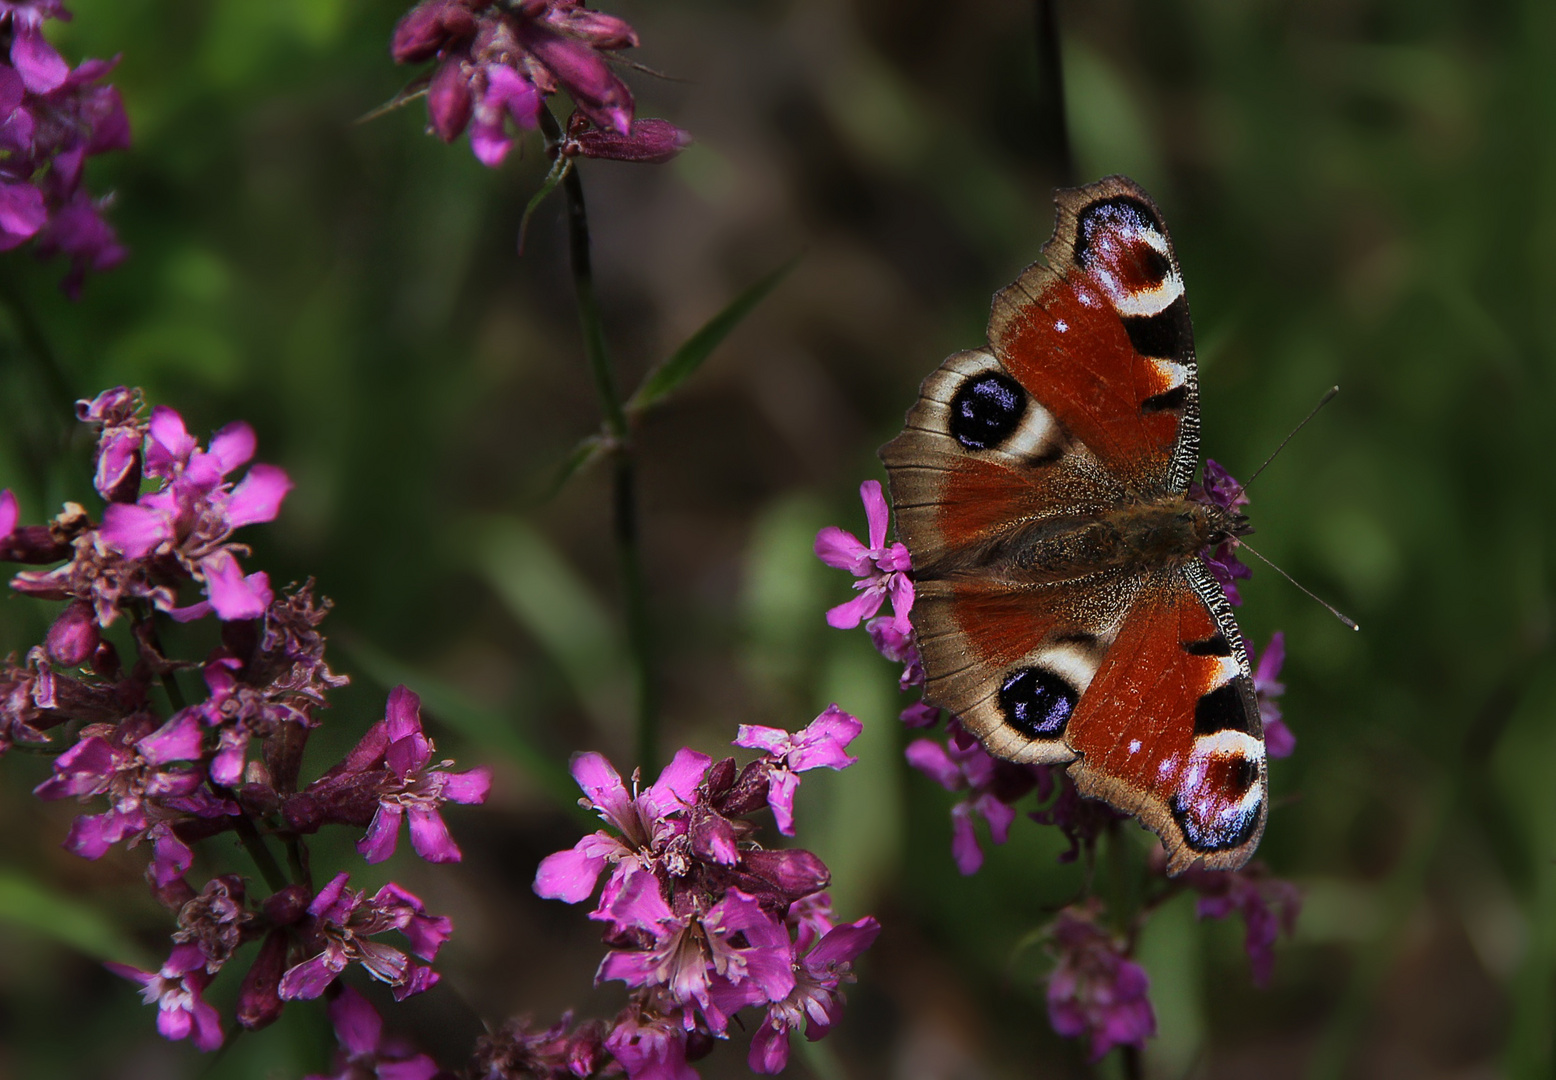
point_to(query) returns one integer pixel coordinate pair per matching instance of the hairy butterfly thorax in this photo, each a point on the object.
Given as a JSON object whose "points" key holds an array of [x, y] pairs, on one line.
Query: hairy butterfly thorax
{"points": [[1065, 611]]}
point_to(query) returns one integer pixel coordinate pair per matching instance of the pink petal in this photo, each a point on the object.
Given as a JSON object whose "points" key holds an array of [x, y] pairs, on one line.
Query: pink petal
{"points": [[570, 876], [1279, 742], [677, 784], [357, 1025], [964, 843], [602, 786], [41, 68], [232, 446], [207, 1025], [170, 441], [383, 834], [998, 814], [843, 943], [773, 740], [402, 715], [232, 595], [769, 1048], [467, 787], [841, 549], [180, 739], [134, 530], [781, 786], [848, 615], [172, 858], [930, 758], [822, 742], [258, 496], [9, 513], [875, 512], [310, 978], [430, 836]]}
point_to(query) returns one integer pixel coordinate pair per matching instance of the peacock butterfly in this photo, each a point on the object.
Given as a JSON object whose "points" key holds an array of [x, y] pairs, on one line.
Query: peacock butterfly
{"points": [[1065, 613]]}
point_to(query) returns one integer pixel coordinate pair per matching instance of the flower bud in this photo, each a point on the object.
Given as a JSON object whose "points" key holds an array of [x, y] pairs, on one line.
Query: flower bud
{"points": [[449, 101], [792, 872], [74, 636], [287, 906], [259, 998], [429, 27]]}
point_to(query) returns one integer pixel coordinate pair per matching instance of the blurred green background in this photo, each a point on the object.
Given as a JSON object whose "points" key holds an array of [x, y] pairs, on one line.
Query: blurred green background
{"points": [[1357, 190]]}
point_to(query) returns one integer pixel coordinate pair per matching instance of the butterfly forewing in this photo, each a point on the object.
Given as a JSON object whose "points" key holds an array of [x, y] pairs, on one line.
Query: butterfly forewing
{"points": [[1044, 642]]}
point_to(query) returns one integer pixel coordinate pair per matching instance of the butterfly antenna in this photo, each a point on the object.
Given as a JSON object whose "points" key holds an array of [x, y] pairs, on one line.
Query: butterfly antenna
{"points": [[1346, 619], [1325, 400]]}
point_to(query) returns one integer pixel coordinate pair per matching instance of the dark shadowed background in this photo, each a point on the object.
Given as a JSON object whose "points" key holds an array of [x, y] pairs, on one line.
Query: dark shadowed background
{"points": [[1361, 192]]}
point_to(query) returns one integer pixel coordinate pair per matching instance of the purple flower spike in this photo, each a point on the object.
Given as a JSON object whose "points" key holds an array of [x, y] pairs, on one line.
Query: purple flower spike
{"points": [[1268, 906], [822, 744], [176, 990], [498, 62], [962, 764], [650, 1048], [882, 570], [1279, 742], [1220, 488], [1095, 990]]}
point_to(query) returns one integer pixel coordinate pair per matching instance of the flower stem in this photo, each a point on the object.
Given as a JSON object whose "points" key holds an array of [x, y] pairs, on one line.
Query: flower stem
{"points": [[624, 481]]}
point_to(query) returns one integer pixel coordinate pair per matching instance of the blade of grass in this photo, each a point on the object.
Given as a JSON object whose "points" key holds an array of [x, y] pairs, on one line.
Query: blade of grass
{"points": [[34, 907], [589, 450], [684, 362]]}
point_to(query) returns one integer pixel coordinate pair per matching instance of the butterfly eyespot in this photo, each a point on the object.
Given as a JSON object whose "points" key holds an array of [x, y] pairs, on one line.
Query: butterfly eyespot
{"points": [[1037, 703], [986, 410]]}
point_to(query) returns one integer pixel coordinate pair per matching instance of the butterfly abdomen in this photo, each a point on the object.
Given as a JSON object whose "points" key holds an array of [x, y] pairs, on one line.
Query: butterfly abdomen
{"points": [[1140, 535]]}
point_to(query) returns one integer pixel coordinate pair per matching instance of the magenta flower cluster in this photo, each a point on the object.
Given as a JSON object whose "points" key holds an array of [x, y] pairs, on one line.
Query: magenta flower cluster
{"points": [[1095, 991], [700, 921], [169, 775], [498, 60], [52, 118]]}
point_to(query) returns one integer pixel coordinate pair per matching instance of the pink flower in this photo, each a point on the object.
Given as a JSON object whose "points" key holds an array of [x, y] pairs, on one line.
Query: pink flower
{"points": [[881, 570], [645, 822], [1095, 990], [498, 62], [820, 968], [176, 988], [962, 764], [821, 744], [1220, 488], [412, 788], [342, 921], [650, 1047], [734, 940], [365, 1050]]}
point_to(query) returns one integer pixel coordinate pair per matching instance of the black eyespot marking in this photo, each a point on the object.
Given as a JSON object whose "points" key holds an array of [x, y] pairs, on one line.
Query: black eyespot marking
{"points": [[1224, 709], [1167, 335], [1173, 399], [1211, 646], [1121, 210], [986, 410], [1037, 703], [1156, 266]]}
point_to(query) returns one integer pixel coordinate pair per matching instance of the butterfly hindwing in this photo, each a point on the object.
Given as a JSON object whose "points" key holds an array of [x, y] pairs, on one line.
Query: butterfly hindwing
{"points": [[1085, 402]]}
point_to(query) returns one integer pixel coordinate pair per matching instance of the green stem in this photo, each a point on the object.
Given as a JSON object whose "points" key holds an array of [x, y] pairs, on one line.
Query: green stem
{"points": [[259, 851], [624, 482]]}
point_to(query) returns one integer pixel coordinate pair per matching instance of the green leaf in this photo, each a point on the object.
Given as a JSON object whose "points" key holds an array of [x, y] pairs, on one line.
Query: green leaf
{"points": [[32, 906], [685, 361], [586, 453], [558, 173], [484, 726]]}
